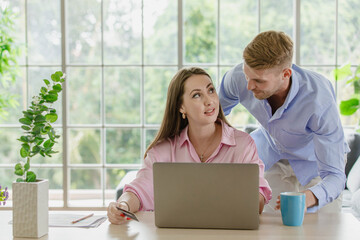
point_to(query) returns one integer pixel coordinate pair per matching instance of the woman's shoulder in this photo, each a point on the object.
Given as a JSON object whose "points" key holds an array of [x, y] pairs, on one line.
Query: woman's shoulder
{"points": [[238, 135]]}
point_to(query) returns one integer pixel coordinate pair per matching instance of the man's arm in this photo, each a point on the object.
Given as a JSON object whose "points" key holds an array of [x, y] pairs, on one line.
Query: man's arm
{"points": [[330, 149]]}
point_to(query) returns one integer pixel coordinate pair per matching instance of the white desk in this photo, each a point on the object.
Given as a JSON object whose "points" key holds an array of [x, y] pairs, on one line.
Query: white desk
{"points": [[316, 226]]}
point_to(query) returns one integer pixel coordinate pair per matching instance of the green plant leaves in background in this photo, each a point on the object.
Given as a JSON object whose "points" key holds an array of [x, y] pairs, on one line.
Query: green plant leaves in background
{"points": [[342, 73], [349, 107]]}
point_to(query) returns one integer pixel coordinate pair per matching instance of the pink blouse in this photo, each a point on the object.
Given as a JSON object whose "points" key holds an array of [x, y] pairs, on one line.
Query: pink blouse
{"points": [[235, 147]]}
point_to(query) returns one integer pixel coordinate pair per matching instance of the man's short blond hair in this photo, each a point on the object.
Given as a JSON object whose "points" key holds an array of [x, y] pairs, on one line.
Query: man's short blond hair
{"points": [[268, 50]]}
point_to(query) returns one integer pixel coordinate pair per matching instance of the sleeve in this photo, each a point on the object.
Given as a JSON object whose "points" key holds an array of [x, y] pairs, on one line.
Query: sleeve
{"points": [[227, 93], [330, 149], [142, 185], [251, 156]]}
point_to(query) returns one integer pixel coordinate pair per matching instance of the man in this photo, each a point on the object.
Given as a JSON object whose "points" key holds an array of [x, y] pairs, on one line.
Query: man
{"points": [[300, 140]]}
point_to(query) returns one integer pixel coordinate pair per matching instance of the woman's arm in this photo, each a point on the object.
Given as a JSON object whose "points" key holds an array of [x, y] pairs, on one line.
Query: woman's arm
{"points": [[261, 203], [127, 201]]}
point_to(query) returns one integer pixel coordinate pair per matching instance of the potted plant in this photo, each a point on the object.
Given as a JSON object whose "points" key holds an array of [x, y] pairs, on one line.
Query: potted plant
{"points": [[30, 194]]}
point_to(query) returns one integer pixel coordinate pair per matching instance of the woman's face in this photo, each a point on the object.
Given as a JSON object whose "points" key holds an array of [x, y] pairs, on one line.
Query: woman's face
{"points": [[200, 100]]}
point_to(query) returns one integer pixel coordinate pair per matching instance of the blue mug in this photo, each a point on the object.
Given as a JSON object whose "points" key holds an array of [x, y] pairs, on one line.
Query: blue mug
{"points": [[292, 208]]}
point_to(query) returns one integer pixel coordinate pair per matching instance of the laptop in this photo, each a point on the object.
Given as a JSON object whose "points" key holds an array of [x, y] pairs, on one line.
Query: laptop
{"points": [[206, 195]]}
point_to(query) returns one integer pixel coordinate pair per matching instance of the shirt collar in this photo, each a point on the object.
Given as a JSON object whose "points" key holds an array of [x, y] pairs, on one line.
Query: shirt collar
{"points": [[294, 88], [227, 136]]}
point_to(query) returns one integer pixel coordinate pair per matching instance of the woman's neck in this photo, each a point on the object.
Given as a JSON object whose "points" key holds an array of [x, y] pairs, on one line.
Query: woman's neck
{"points": [[203, 133], [205, 139]]}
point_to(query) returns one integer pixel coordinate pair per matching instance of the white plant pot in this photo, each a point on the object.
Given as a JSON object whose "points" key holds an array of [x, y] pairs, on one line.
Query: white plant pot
{"points": [[30, 208]]}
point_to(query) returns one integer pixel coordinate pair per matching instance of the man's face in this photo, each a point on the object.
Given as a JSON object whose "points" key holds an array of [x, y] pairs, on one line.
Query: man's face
{"points": [[264, 83]]}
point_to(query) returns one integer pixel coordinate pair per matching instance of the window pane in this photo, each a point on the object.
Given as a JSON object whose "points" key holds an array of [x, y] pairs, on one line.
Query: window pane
{"points": [[54, 175], [114, 176], [18, 8], [349, 32], [15, 95], [317, 32], [85, 185], [84, 94], [83, 31], [84, 146], [122, 95], [35, 82], [150, 135], [200, 31], [160, 32], [7, 177], [122, 32], [238, 25], [277, 15], [123, 146], [10, 146], [156, 84], [44, 40]]}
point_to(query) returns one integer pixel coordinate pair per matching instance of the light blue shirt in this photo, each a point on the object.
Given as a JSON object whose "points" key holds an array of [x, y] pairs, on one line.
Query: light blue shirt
{"points": [[306, 130]]}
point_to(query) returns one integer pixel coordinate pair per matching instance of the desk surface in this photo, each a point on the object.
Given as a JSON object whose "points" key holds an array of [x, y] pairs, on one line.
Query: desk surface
{"points": [[316, 226]]}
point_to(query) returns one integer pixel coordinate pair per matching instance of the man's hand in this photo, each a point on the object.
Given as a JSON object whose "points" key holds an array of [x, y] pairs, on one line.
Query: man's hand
{"points": [[310, 200]]}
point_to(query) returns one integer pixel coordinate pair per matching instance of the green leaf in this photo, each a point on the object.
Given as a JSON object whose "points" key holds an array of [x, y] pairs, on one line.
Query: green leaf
{"points": [[24, 139], [26, 146], [50, 98], [40, 118], [48, 144], [30, 176], [25, 127], [53, 92], [57, 87], [18, 166], [23, 152], [43, 90], [38, 140], [342, 72], [20, 180], [349, 107], [55, 77], [25, 121], [27, 166], [19, 172], [51, 117], [47, 82], [36, 149], [36, 130]]}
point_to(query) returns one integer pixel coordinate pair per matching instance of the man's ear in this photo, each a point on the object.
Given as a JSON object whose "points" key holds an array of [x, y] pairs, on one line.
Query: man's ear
{"points": [[287, 73]]}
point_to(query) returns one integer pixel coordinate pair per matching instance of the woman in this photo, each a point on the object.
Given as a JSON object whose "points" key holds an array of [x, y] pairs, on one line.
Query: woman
{"points": [[194, 129]]}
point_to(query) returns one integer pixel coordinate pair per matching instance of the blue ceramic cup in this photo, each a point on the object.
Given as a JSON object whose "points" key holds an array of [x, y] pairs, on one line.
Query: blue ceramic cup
{"points": [[292, 208]]}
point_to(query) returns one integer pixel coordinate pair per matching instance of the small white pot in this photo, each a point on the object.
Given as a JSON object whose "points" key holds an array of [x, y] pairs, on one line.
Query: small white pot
{"points": [[30, 208]]}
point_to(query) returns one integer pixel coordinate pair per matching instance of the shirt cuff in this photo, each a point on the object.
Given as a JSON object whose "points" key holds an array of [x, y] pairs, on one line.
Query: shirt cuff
{"points": [[266, 193], [320, 194]]}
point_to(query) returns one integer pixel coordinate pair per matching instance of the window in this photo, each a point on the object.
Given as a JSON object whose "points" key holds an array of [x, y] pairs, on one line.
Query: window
{"points": [[119, 56]]}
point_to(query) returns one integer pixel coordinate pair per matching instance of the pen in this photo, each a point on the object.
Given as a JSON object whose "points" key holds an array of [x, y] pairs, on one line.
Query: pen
{"points": [[80, 219]]}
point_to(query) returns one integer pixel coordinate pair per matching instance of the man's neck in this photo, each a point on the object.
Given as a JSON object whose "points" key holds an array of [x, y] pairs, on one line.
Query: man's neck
{"points": [[277, 100]]}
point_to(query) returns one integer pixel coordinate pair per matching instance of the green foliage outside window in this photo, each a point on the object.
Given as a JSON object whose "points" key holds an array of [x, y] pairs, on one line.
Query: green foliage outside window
{"points": [[9, 51]]}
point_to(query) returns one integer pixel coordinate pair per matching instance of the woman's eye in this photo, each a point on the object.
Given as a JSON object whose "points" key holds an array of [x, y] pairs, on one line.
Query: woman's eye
{"points": [[212, 90], [196, 95]]}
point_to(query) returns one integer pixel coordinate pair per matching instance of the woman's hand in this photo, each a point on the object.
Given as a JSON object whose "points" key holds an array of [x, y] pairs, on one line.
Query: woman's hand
{"points": [[115, 216]]}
